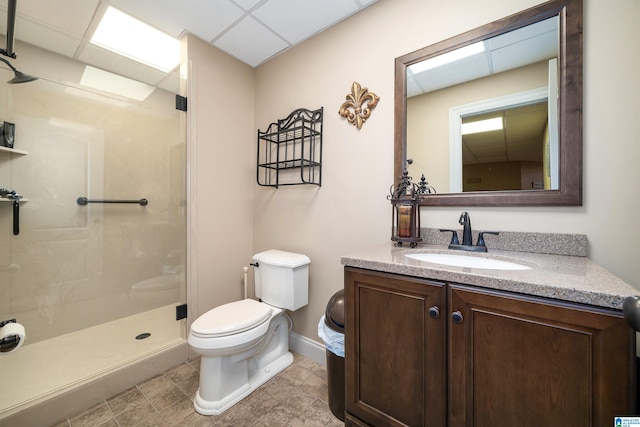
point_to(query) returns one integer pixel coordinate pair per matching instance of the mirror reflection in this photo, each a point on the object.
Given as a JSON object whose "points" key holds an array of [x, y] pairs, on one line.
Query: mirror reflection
{"points": [[510, 84], [426, 142]]}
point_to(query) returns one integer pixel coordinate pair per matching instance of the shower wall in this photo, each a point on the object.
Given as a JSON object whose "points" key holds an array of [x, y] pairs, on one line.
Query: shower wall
{"points": [[73, 266]]}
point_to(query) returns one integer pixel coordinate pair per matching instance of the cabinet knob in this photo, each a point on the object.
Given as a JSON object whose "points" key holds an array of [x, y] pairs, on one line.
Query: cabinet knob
{"points": [[457, 317], [434, 312]]}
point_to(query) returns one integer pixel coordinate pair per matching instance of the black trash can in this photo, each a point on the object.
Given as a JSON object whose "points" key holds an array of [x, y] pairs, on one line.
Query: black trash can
{"points": [[334, 320]]}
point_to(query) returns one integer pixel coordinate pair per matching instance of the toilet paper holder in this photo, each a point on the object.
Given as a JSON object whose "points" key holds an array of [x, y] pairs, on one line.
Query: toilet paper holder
{"points": [[10, 342]]}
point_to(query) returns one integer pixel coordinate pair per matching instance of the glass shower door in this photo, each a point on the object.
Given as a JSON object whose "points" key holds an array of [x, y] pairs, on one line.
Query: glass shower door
{"points": [[87, 279]]}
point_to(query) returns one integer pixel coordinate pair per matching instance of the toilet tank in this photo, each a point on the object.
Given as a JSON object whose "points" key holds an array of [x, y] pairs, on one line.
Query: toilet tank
{"points": [[282, 278]]}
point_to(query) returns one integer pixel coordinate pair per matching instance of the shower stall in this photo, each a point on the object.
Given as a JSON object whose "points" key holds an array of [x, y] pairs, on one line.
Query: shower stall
{"points": [[95, 284]]}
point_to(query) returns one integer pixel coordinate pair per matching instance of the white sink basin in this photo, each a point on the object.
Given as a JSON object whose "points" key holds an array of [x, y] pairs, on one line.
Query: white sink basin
{"points": [[468, 261]]}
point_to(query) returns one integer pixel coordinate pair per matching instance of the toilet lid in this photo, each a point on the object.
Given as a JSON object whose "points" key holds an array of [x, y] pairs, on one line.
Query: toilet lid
{"points": [[231, 318]]}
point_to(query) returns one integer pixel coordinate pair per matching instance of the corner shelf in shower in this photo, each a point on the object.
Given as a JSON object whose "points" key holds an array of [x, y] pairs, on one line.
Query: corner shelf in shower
{"points": [[290, 150], [12, 150]]}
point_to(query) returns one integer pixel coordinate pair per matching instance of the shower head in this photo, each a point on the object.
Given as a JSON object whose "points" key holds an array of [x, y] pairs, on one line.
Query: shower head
{"points": [[20, 77]]}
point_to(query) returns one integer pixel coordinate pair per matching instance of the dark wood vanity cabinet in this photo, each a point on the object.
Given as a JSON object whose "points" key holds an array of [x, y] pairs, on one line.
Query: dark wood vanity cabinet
{"points": [[526, 361], [423, 353], [395, 360]]}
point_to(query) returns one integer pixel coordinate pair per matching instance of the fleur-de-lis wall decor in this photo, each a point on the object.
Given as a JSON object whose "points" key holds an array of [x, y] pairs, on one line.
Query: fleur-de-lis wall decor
{"points": [[359, 104]]}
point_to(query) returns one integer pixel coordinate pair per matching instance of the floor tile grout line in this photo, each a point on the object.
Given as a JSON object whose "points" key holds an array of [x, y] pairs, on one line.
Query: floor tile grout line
{"points": [[112, 414], [308, 368], [147, 397]]}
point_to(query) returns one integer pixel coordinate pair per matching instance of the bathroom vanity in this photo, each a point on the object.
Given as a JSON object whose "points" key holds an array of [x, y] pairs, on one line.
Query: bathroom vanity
{"points": [[436, 345]]}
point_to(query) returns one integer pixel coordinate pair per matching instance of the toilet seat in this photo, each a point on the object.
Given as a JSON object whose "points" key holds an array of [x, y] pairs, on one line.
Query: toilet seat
{"points": [[231, 318]]}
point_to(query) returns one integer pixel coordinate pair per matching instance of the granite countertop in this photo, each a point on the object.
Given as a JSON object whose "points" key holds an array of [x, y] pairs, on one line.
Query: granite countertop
{"points": [[562, 277]]}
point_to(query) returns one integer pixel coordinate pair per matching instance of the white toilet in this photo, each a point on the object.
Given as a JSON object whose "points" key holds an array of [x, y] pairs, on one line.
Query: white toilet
{"points": [[245, 343]]}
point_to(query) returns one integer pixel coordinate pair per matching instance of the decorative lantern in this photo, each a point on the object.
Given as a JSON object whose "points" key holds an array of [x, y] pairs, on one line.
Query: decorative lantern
{"points": [[405, 209]]}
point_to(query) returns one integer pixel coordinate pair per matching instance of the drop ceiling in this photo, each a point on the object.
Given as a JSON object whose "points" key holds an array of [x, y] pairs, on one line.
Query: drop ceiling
{"points": [[527, 45], [252, 31], [519, 140]]}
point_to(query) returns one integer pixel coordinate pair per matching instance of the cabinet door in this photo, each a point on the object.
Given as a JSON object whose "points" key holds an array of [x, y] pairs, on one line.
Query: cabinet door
{"points": [[524, 361], [395, 341]]}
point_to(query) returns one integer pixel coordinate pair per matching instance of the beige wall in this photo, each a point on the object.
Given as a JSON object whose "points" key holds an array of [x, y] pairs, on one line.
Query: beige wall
{"points": [[221, 173], [350, 210]]}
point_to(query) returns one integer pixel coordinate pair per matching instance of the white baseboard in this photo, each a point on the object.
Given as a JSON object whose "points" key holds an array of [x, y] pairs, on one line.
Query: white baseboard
{"points": [[308, 348]]}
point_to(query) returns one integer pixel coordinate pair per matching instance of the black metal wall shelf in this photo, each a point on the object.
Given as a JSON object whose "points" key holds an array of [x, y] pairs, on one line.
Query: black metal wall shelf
{"points": [[290, 150]]}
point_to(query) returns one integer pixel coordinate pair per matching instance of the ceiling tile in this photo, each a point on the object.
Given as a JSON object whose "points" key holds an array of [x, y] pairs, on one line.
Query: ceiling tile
{"points": [[67, 16], [247, 4], [297, 20], [549, 25], [251, 42], [526, 52], [46, 37], [205, 19], [63, 26]]}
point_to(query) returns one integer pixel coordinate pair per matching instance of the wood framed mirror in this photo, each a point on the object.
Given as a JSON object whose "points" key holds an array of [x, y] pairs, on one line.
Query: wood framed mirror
{"points": [[552, 174]]}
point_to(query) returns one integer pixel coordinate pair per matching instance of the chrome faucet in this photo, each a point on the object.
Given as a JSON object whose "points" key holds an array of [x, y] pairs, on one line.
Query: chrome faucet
{"points": [[467, 236]]}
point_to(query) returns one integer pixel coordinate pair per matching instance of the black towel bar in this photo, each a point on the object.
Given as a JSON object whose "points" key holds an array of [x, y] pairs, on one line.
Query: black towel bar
{"points": [[83, 201]]}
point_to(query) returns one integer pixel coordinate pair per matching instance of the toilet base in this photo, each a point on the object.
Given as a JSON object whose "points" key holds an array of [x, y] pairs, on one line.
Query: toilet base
{"points": [[257, 377], [227, 378]]}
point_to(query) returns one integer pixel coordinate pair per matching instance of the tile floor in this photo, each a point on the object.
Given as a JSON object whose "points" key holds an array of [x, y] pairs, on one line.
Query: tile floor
{"points": [[296, 397]]}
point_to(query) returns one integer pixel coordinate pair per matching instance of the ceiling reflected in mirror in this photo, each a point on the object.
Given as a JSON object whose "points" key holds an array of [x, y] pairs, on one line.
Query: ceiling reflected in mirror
{"points": [[518, 48], [504, 136], [508, 157], [524, 70]]}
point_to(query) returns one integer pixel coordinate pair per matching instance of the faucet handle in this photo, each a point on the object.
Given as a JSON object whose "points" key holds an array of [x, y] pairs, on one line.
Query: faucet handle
{"points": [[454, 236], [481, 234]]}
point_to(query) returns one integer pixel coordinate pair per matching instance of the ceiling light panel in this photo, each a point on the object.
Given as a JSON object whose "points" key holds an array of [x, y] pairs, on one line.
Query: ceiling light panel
{"points": [[482, 126], [250, 42], [114, 83], [123, 34], [205, 19], [106, 60], [447, 58], [297, 20]]}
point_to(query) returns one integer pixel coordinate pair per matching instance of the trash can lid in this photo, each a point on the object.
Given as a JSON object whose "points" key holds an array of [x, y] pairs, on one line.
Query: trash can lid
{"points": [[334, 313]]}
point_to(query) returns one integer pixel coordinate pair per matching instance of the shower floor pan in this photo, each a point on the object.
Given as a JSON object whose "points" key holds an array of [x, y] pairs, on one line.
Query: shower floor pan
{"points": [[42, 372]]}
